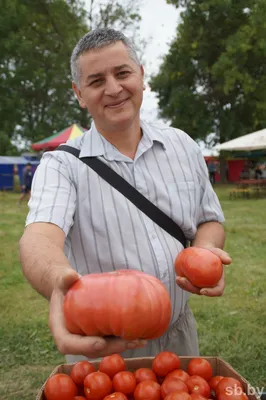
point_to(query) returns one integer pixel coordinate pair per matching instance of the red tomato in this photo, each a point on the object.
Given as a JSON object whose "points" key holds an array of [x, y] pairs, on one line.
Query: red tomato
{"points": [[165, 362], [239, 396], [200, 367], [60, 387], [125, 303], [178, 373], [178, 396], [196, 396], [144, 374], [229, 385], [171, 385], [147, 390], [124, 382], [80, 370], [97, 385], [200, 266], [196, 384], [213, 382], [79, 398], [116, 396], [112, 364]]}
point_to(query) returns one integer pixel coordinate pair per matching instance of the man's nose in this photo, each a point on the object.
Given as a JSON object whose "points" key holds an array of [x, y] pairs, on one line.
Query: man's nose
{"points": [[112, 87]]}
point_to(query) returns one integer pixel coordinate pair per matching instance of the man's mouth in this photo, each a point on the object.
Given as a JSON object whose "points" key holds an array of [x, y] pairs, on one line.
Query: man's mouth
{"points": [[117, 104]]}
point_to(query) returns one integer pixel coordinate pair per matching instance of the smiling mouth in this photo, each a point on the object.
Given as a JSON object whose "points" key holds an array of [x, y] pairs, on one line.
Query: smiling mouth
{"points": [[117, 104]]}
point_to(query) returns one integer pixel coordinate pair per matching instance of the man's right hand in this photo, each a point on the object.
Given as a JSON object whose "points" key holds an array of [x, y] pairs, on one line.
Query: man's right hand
{"points": [[68, 343]]}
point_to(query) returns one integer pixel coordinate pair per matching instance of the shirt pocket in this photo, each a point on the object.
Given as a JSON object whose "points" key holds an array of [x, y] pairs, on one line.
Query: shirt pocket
{"points": [[183, 198]]}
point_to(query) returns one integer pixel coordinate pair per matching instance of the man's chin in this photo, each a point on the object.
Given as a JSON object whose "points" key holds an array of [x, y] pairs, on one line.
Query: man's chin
{"points": [[121, 121]]}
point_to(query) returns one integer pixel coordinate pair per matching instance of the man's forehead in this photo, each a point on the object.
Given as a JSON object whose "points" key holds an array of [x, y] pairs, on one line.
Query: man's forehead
{"points": [[109, 56], [117, 48]]}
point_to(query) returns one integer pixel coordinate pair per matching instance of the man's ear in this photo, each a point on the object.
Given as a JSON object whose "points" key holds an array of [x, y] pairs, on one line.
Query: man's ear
{"points": [[142, 74], [78, 95], [142, 71]]}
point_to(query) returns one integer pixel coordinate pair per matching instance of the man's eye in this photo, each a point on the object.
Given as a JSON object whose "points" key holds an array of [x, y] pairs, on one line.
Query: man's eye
{"points": [[123, 74], [97, 82]]}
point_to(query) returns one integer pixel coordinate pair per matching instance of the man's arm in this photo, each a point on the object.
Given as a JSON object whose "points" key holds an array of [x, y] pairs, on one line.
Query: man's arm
{"points": [[42, 257], [49, 272], [210, 234]]}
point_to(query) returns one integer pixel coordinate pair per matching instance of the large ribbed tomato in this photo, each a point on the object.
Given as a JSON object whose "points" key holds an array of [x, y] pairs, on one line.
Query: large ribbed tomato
{"points": [[124, 303], [200, 266]]}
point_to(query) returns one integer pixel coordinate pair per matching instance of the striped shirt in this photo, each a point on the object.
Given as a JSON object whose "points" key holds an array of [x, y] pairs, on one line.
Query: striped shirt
{"points": [[104, 230]]}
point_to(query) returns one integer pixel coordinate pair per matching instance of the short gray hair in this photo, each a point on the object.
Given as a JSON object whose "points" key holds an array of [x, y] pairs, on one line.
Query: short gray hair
{"points": [[97, 39]]}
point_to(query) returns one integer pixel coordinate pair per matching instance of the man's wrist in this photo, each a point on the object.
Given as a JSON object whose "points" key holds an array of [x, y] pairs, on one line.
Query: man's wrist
{"points": [[205, 245]]}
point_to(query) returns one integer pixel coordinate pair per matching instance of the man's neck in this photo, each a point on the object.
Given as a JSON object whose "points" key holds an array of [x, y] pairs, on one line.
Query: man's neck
{"points": [[126, 141]]}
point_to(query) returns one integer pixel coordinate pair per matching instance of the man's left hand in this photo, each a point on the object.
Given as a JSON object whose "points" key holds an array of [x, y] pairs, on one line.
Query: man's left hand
{"points": [[217, 290]]}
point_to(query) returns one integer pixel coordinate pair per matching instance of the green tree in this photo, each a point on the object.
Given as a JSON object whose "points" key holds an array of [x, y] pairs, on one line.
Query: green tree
{"points": [[213, 79], [122, 15], [36, 41], [6, 147]]}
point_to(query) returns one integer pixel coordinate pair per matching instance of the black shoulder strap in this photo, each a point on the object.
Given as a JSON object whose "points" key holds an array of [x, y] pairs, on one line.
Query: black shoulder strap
{"points": [[140, 201]]}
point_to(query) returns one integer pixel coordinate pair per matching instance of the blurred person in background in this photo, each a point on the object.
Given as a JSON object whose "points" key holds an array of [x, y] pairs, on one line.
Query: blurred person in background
{"points": [[27, 177], [212, 172]]}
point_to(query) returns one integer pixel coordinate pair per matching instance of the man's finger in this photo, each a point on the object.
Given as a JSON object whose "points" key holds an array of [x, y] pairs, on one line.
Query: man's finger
{"points": [[118, 345], [89, 346], [93, 346], [66, 342], [224, 257], [184, 284], [68, 280], [215, 291], [212, 292]]}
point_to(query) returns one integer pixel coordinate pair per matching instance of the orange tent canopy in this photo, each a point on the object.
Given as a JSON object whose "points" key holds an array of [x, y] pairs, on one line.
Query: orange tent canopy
{"points": [[52, 142]]}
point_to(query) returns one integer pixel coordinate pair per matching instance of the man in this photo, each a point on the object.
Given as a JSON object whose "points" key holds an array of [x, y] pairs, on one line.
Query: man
{"points": [[79, 224], [26, 182], [212, 171]]}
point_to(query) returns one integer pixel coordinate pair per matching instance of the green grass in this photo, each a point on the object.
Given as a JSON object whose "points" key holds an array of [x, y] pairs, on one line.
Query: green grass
{"points": [[27, 351], [232, 327]]}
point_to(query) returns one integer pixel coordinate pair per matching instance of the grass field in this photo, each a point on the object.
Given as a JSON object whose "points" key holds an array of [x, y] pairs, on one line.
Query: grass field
{"points": [[232, 327]]}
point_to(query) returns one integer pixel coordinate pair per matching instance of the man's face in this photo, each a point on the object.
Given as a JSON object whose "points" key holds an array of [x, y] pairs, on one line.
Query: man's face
{"points": [[111, 87]]}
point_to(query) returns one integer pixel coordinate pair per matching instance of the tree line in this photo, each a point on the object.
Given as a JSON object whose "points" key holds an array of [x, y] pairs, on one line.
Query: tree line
{"points": [[36, 41], [211, 81]]}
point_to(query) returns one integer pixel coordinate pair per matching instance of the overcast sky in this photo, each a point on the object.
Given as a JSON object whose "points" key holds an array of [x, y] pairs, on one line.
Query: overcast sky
{"points": [[159, 22]]}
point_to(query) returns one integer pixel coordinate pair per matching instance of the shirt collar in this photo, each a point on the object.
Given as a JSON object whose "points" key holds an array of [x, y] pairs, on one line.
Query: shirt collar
{"points": [[152, 133], [95, 145]]}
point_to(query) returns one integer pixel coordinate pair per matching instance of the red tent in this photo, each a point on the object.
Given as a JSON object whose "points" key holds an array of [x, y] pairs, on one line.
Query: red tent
{"points": [[52, 142]]}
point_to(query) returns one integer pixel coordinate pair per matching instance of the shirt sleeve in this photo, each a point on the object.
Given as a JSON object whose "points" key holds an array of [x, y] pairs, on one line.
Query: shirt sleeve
{"points": [[53, 195], [210, 208]]}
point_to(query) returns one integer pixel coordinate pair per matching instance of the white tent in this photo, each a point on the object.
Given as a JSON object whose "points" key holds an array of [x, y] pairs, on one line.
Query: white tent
{"points": [[252, 141]]}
